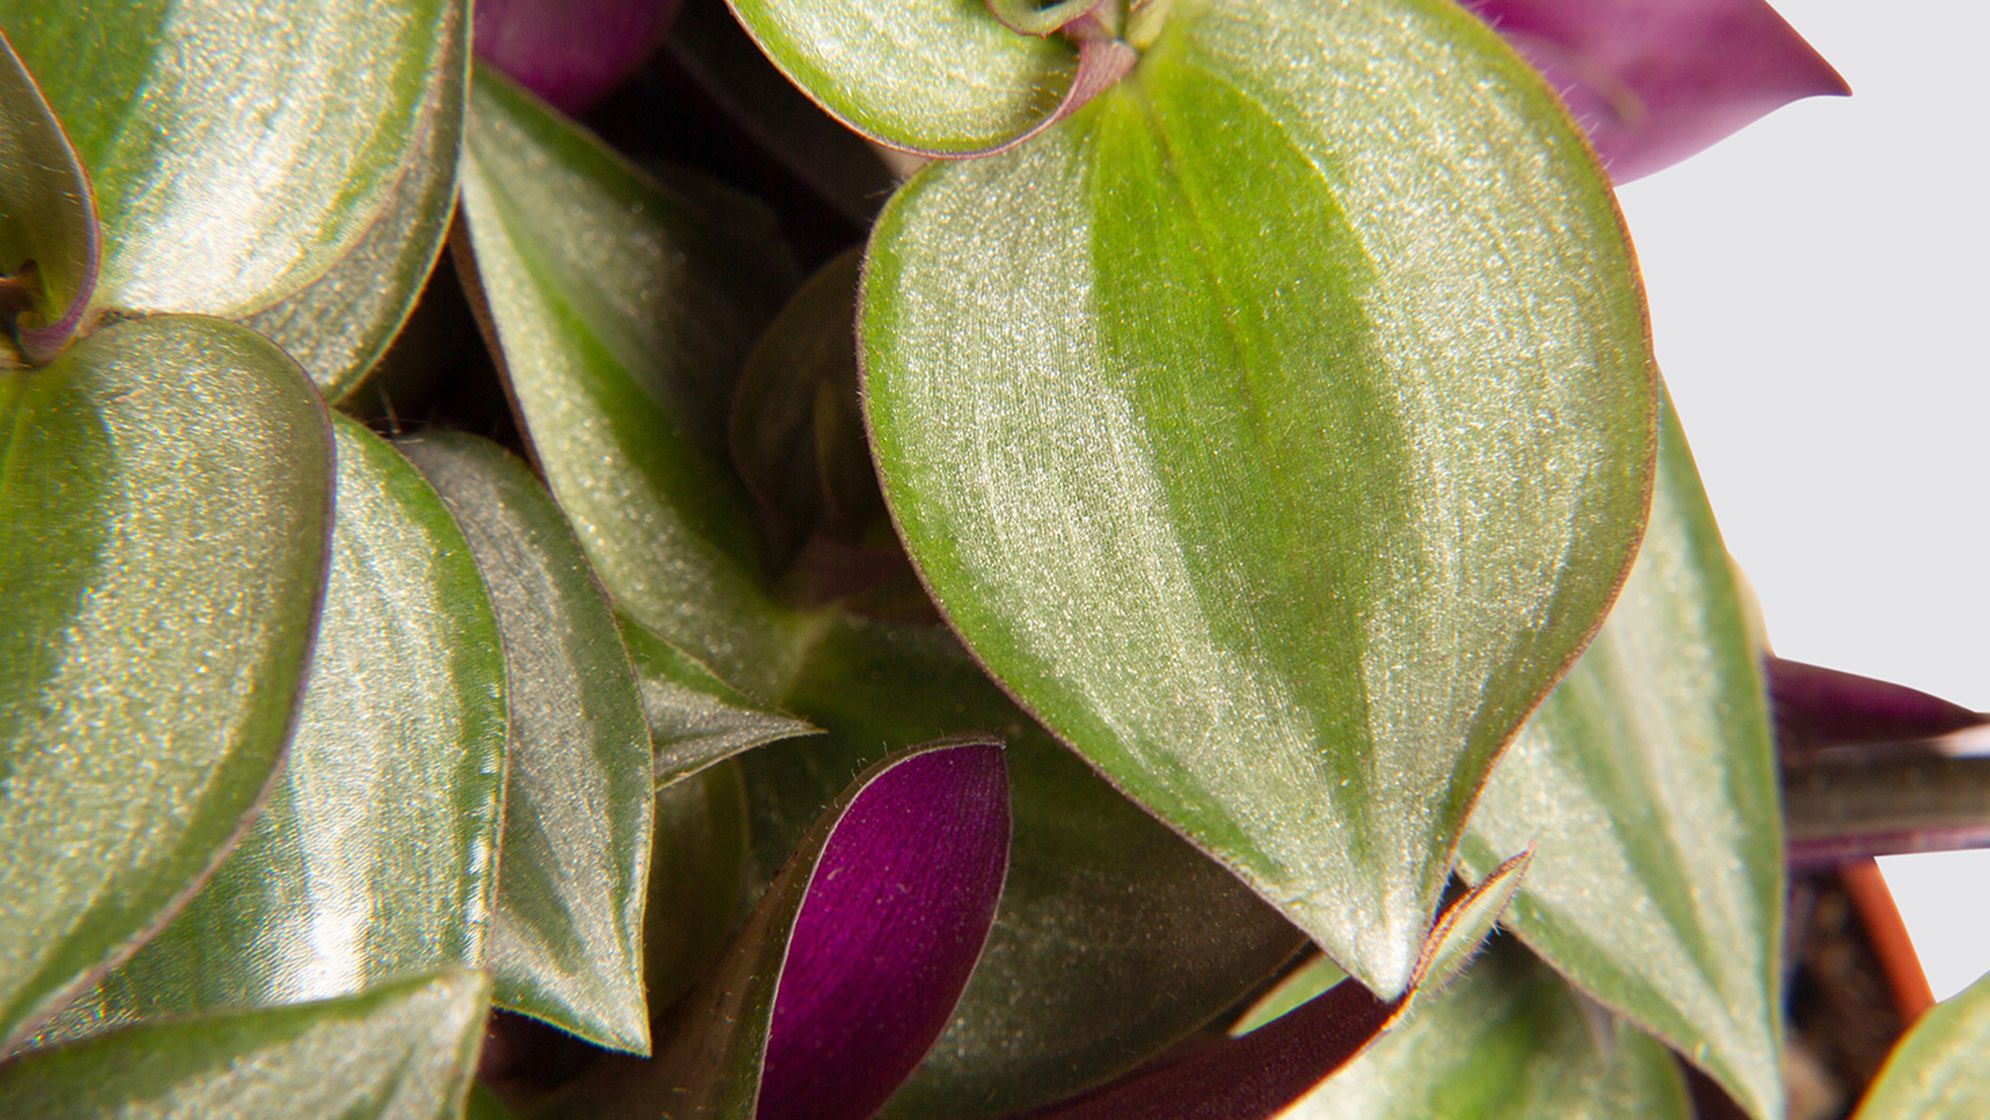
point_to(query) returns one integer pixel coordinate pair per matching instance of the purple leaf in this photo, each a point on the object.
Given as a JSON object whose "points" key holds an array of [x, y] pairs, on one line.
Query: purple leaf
{"points": [[1654, 81], [850, 965], [1818, 708], [570, 52], [896, 914]]}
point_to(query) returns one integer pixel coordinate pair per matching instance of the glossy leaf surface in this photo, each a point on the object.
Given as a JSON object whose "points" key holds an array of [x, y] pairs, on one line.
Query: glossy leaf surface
{"points": [[1937, 1071], [566, 938], [1276, 430], [930, 76], [1263, 1074], [852, 961], [376, 855], [1648, 784], [1508, 1038], [47, 214], [1654, 83], [166, 489], [338, 326], [622, 384], [237, 150], [696, 719], [570, 52], [1101, 898], [402, 1051]]}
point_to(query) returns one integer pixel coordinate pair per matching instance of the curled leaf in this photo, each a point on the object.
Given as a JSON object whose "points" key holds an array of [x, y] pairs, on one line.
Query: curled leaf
{"points": [[49, 236], [1654, 83]]}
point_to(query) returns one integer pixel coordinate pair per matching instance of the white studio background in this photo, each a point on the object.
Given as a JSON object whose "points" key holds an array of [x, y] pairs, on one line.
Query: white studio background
{"points": [[1820, 293]]}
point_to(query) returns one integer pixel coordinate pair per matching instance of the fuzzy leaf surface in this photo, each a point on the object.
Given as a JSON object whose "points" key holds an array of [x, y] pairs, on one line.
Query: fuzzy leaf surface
{"points": [[1648, 784], [566, 938], [402, 1051], [47, 213], [930, 76], [1277, 430], [166, 489], [376, 855], [1101, 898], [622, 311], [1937, 1071], [339, 325], [238, 150]]}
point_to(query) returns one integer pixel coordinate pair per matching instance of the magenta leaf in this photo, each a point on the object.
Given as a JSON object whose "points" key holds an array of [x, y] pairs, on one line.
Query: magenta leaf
{"points": [[570, 52], [1654, 81], [851, 964], [1818, 708]]}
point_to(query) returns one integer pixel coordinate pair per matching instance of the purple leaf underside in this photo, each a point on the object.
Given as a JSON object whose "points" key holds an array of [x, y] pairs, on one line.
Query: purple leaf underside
{"points": [[895, 916], [573, 53], [1654, 83], [1818, 709]]}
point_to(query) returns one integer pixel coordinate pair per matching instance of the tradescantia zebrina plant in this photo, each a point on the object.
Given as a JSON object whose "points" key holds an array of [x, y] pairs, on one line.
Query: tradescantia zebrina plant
{"points": [[1242, 555]]}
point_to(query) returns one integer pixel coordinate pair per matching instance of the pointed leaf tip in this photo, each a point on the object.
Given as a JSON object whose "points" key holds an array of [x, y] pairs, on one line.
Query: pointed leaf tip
{"points": [[1655, 83], [1818, 708]]}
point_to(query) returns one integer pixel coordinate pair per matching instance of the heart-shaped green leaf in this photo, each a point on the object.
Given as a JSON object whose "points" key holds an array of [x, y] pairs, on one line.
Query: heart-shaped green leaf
{"points": [[238, 150], [1101, 898], [566, 939], [165, 488], [402, 1051], [377, 853], [1509, 1038], [933, 76], [1648, 784], [1277, 430], [622, 387], [48, 217], [1937, 1071], [696, 719], [339, 325]]}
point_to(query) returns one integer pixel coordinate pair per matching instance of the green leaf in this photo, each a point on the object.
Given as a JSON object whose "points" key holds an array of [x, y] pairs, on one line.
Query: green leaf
{"points": [[565, 941], [1937, 1071], [166, 490], [1277, 430], [696, 719], [932, 76], [622, 387], [1101, 899], [697, 879], [1648, 784], [238, 150], [1508, 1038], [338, 326], [48, 217], [377, 853], [400, 1051]]}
